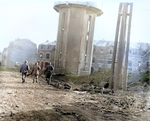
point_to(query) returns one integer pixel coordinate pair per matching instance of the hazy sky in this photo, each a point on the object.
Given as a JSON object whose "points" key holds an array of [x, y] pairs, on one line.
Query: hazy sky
{"points": [[38, 21]]}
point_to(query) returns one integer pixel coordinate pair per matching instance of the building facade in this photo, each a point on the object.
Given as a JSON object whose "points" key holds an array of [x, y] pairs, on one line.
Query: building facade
{"points": [[46, 53]]}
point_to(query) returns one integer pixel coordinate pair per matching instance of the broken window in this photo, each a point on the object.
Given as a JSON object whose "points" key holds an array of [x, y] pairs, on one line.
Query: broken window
{"points": [[48, 47], [110, 60], [148, 65], [130, 69], [42, 46], [134, 52], [60, 55], [139, 63], [47, 55], [41, 55], [101, 60], [110, 51], [93, 61], [130, 63]]}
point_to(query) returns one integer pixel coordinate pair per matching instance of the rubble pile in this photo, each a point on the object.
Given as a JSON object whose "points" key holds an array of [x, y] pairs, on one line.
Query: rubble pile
{"points": [[124, 104]]}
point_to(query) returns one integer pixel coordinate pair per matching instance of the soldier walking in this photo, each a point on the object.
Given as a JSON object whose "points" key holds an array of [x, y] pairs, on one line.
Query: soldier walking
{"points": [[35, 72], [49, 71], [24, 69]]}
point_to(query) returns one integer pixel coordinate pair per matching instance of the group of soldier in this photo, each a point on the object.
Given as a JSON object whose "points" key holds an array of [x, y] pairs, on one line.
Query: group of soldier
{"points": [[35, 70]]}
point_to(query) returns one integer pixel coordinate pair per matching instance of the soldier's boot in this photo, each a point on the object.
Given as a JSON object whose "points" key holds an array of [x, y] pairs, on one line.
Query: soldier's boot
{"points": [[23, 80], [49, 81]]}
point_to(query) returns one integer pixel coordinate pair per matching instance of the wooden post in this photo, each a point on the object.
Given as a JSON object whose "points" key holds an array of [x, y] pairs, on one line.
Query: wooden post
{"points": [[115, 49], [127, 50]]}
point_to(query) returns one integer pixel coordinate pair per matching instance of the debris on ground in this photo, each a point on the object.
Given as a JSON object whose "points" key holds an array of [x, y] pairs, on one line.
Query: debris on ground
{"points": [[69, 101]]}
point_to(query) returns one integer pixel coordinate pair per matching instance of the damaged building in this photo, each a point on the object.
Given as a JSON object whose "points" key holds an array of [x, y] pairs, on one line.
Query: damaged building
{"points": [[0, 58], [4, 57], [102, 54], [138, 61], [18, 51], [46, 53]]}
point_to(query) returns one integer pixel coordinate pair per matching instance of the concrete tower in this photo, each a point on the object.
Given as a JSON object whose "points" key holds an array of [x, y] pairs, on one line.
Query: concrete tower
{"points": [[74, 45]]}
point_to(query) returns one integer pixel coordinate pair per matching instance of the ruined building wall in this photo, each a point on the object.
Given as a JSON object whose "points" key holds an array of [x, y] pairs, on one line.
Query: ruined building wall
{"points": [[19, 51], [0, 58], [4, 57]]}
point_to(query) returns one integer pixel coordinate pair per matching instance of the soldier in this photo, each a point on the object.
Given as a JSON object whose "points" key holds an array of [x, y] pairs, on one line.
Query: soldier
{"points": [[49, 71], [24, 69], [35, 72]]}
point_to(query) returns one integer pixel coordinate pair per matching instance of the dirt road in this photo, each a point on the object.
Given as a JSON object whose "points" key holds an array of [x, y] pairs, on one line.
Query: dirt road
{"points": [[23, 97], [42, 102]]}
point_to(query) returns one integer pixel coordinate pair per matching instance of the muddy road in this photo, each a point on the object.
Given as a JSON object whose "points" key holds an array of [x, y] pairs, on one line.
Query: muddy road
{"points": [[42, 102]]}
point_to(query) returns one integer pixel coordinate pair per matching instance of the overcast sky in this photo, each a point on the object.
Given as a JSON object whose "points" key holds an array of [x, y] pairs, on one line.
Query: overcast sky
{"points": [[38, 21]]}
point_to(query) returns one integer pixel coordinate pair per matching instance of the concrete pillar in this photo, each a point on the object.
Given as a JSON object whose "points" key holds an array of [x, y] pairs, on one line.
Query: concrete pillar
{"points": [[121, 49], [115, 49], [75, 37], [127, 48], [118, 72]]}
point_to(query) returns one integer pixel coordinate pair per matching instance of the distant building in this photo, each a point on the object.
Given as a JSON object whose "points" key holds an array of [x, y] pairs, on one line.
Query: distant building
{"points": [[138, 61], [4, 57], [0, 58], [46, 52], [18, 51], [102, 54], [138, 56]]}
